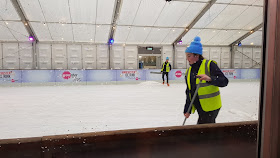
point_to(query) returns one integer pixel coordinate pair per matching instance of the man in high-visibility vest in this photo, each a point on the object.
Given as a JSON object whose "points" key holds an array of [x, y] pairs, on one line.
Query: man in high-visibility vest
{"points": [[208, 100], [166, 68]]}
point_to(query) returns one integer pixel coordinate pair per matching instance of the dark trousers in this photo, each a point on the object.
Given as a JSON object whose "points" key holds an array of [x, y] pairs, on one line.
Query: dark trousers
{"points": [[207, 117], [165, 73]]}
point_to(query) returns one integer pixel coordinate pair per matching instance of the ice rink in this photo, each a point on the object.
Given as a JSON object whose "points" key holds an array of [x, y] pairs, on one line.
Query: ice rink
{"points": [[31, 111]]}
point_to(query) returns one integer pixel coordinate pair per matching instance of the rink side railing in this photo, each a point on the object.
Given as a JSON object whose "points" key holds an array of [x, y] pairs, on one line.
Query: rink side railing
{"points": [[18, 77], [223, 140]]}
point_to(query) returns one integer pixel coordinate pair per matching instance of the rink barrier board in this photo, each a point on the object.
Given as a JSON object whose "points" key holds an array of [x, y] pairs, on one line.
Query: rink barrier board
{"points": [[82, 77], [228, 140]]}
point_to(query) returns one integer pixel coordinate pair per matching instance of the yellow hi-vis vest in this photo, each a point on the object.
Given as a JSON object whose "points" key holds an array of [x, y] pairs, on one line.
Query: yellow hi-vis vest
{"points": [[209, 95], [167, 67]]}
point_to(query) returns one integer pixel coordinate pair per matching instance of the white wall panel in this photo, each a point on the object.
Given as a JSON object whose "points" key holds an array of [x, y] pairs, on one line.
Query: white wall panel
{"points": [[89, 56], [167, 51], [26, 55], [225, 58], [59, 58], [131, 53], [257, 55], [44, 56], [247, 58], [1, 56], [206, 53], [237, 61], [74, 53], [180, 58], [102, 57], [10, 56], [215, 54], [117, 57]]}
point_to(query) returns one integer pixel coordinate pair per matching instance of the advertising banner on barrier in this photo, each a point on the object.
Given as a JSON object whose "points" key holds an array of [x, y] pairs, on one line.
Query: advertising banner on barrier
{"points": [[153, 74], [38, 76], [232, 73], [131, 75], [177, 74], [70, 76], [250, 74], [10, 76], [101, 75]]}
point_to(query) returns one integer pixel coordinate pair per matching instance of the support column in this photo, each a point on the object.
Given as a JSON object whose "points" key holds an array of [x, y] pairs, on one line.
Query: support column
{"points": [[269, 120]]}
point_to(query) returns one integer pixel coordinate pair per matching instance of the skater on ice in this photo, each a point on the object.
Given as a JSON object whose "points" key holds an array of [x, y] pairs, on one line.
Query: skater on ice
{"points": [[166, 68]]}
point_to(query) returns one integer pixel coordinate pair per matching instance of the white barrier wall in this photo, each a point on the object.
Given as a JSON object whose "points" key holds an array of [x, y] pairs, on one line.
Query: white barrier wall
{"points": [[10, 56], [215, 54], [131, 53], [117, 57], [167, 51], [237, 60], [247, 58], [26, 56], [102, 57], [206, 52], [44, 56], [1, 57], [89, 56], [180, 58], [74, 53], [257, 55], [59, 57], [225, 58]]}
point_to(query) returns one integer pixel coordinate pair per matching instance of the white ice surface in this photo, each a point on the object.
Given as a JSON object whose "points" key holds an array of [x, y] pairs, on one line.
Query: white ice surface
{"points": [[54, 110]]}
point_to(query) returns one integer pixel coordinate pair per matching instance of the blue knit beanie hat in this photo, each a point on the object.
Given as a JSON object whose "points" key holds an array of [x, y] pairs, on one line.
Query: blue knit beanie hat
{"points": [[195, 47]]}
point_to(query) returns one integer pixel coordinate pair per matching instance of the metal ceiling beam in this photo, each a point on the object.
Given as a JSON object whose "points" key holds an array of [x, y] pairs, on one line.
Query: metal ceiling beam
{"points": [[24, 20], [247, 34], [205, 9], [115, 18]]}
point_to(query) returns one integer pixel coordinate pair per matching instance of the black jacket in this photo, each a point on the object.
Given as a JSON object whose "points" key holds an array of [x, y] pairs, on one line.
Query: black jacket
{"points": [[217, 79]]}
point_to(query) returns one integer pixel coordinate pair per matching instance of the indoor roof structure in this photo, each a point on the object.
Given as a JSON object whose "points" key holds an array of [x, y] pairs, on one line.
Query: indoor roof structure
{"points": [[135, 22]]}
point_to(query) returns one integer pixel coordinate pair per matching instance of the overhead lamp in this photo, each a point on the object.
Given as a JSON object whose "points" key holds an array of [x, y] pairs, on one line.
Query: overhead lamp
{"points": [[251, 31], [252, 43], [25, 23], [31, 38], [111, 41], [239, 44], [180, 42]]}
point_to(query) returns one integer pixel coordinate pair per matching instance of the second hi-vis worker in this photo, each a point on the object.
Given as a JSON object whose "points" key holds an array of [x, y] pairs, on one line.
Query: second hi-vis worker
{"points": [[166, 68]]}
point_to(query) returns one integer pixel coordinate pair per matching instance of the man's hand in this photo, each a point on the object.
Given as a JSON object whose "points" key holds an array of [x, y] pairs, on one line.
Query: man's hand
{"points": [[187, 115], [204, 77]]}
